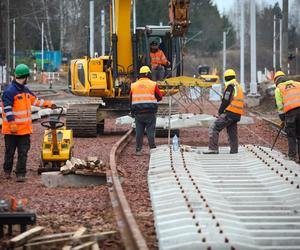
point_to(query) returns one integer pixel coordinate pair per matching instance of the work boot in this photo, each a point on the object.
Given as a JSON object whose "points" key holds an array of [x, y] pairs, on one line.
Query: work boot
{"points": [[211, 151], [138, 153], [20, 178], [290, 158], [7, 175]]}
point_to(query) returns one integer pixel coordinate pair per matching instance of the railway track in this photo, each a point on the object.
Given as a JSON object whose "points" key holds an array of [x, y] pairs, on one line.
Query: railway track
{"points": [[131, 235], [244, 201]]}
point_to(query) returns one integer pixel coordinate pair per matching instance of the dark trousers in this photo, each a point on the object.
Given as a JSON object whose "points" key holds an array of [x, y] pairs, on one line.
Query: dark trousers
{"points": [[22, 144], [292, 128], [145, 121], [223, 121]]}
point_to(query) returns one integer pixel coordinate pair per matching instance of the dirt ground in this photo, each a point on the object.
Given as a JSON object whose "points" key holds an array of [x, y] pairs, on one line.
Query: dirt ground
{"points": [[136, 167], [66, 209]]}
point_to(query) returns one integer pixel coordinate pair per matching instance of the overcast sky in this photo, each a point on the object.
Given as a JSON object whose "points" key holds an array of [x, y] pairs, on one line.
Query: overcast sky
{"points": [[227, 4]]}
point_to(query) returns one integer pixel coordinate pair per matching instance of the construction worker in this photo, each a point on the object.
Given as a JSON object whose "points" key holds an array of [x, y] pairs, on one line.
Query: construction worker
{"points": [[287, 95], [17, 126], [158, 62], [229, 114], [144, 96]]}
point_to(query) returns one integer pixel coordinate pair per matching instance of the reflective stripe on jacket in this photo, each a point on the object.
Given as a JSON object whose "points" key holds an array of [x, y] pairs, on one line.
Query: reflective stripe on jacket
{"points": [[143, 95], [287, 95], [237, 103], [158, 58], [16, 107]]}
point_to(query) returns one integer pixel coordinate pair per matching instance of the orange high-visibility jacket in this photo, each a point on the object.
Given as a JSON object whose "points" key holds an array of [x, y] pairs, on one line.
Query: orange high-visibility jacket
{"points": [[237, 103], [290, 93], [158, 58], [143, 95], [16, 108]]}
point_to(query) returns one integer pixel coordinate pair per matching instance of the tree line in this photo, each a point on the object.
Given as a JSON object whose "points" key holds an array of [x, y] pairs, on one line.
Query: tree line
{"points": [[66, 26], [66, 22]]}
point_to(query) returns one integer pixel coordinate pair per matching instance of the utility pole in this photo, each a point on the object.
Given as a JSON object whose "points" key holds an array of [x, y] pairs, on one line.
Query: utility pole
{"points": [[296, 53], [42, 46], [224, 52], [8, 46], [91, 29], [274, 43], [14, 43], [280, 44], [102, 33], [253, 84], [285, 15], [61, 12], [242, 47]]}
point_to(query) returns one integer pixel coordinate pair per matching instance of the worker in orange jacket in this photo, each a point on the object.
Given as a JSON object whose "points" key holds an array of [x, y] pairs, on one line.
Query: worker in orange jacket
{"points": [[229, 114], [287, 95], [158, 62], [16, 121], [144, 96]]}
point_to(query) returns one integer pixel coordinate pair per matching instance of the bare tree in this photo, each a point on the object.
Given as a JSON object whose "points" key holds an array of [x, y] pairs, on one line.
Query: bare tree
{"points": [[48, 28]]}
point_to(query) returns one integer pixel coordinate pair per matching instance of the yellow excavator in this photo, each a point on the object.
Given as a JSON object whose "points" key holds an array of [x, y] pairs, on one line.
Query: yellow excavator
{"points": [[109, 77]]}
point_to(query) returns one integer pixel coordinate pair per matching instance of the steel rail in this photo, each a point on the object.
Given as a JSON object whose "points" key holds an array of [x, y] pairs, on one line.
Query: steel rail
{"points": [[132, 237]]}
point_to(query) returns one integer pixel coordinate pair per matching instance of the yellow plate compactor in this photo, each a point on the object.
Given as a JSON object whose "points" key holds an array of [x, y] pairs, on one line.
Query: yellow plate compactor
{"points": [[57, 143]]}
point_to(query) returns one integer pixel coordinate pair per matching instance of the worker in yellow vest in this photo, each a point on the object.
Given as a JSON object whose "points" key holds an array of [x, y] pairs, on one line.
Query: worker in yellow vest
{"points": [[229, 114], [287, 95], [144, 96]]}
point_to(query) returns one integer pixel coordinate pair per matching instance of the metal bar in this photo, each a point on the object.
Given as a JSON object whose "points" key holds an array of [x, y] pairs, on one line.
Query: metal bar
{"points": [[224, 52], [274, 43], [242, 45], [130, 233], [280, 44], [42, 66], [102, 33], [253, 84], [276, 138], [14, 43], [91, 30]]}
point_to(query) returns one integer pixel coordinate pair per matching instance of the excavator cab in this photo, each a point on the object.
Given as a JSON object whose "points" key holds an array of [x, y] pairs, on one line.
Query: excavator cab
{"points": [[170, 45]]}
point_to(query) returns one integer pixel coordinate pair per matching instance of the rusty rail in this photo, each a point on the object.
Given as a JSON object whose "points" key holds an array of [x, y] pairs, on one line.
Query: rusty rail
{"points": [[131, 235]]}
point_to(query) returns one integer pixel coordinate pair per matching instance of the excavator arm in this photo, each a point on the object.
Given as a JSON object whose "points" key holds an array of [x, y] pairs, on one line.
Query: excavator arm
{"points": [[179, 17]]}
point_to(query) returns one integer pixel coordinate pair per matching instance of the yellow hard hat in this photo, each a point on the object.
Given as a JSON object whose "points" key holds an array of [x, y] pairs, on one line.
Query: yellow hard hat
{"points": [[229, 72], [278, 73], [145, 70]]}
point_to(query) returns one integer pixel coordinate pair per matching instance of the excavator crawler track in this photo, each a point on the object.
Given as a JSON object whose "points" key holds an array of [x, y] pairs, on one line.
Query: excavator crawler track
{"points": [[82, 119]]}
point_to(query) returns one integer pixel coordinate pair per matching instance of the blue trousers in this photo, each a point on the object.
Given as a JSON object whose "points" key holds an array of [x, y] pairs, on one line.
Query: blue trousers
{"points": [[145, 121]]}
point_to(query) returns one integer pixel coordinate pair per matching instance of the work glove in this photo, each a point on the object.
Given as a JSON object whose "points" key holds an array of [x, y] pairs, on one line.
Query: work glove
{"points": [[282, 117], [13, 127], [282, 124], [53, 106], [131, 114]]}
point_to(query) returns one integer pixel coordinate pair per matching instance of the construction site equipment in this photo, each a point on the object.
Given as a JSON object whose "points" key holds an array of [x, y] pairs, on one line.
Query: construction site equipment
{"points": [[16, 218], [179, 16], [276, 138], [13, 211], [109, 77], [207, 77], [57, 143]]}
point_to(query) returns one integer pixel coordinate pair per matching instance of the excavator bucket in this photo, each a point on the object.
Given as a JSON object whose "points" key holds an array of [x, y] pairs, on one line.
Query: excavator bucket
{"points": [[179, 17]]}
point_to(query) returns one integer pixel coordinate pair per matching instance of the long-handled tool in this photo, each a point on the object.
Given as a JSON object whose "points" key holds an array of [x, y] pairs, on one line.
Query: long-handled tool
{"points": [[281, 127]]}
